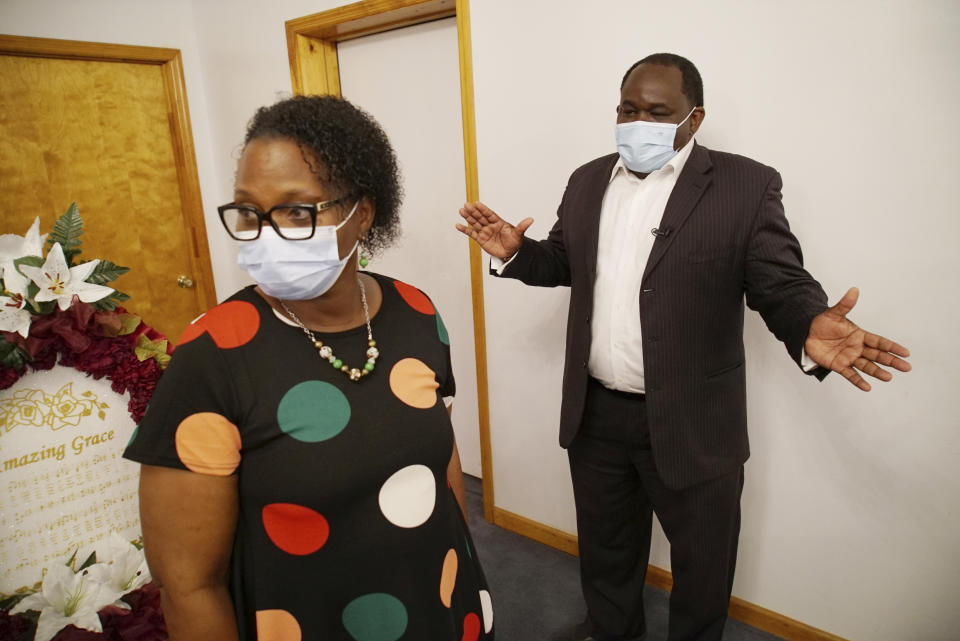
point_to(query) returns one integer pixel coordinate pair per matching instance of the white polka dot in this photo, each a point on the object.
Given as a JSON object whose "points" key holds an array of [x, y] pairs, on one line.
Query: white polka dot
{"points": [[487, 606], [407, 498]]}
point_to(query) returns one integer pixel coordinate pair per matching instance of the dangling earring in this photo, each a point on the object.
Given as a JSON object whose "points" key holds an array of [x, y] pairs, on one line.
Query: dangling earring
{"points": [[364, 256]]}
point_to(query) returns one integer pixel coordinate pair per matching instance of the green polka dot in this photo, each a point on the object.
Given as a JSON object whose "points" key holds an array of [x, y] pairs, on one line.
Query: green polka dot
{"points": [[313, 411], [442, 330], [375, 617]]}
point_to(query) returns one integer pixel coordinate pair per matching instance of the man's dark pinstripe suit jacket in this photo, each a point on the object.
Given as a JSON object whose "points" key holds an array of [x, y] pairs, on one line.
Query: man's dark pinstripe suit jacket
{"points": [[728, 239]]}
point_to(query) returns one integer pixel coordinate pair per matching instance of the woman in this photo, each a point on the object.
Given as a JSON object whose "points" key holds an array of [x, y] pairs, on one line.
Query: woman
{"points": [[300, 477]]}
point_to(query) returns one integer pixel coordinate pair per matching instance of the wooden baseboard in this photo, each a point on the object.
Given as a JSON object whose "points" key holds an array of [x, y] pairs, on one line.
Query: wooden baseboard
{"points": [[557, 539], [749, 613]]}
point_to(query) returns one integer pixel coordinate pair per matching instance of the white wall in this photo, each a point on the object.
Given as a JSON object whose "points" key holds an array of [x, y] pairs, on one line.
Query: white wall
{"points": [[851, 517], [410, 80]]}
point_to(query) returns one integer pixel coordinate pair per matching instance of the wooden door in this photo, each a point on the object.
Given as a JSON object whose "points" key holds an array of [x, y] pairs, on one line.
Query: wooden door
{"points": [[107, 127]]}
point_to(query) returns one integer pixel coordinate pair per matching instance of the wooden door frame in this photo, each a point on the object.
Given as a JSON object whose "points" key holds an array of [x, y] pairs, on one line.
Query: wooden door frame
{"points": [[312, 50], [181, 134]]}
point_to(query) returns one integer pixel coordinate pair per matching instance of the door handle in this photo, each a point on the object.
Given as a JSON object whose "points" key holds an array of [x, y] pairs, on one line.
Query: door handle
{"points": [[184, 281]]}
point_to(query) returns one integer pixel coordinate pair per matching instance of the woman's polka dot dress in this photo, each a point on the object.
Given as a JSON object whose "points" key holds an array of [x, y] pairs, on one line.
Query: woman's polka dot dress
{"points": [[348, 528]]}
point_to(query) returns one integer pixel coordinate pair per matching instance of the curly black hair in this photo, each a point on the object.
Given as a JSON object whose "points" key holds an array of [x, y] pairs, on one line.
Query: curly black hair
{"points": [[692, 82], [357, 156]]}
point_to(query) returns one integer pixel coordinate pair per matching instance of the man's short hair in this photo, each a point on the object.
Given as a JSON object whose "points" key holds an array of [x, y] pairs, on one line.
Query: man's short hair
{"points": [[692, 83]]}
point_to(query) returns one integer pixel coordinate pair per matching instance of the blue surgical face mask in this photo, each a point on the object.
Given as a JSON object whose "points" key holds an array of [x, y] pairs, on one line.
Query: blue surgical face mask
{"points": [[647, 146], [295, 269]]}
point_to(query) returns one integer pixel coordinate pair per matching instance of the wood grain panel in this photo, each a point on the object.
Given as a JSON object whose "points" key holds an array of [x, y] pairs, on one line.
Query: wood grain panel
{"points": [[99, 133], [369, 17], [81, 50]]}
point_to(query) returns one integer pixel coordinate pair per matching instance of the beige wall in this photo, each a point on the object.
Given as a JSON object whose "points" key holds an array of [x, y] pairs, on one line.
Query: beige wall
{"points": [[851, 516]]}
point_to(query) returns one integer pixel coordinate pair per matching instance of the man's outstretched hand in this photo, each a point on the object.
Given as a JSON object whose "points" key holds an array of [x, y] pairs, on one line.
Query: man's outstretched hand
{"points": [[835, 342], [495, 236]]}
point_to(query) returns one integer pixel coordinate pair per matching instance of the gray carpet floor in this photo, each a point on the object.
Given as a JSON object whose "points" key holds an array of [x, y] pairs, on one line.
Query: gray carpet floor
{"points": [[536, 589]]}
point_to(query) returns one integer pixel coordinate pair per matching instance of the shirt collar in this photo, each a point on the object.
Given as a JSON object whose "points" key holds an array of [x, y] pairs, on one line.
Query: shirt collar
{"points": [[675, 164]]}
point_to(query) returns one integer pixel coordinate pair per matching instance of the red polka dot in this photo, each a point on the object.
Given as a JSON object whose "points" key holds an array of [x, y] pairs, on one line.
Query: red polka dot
{"points": [[295, 529], [471, 627], [190, 332], [230, 325], [414, 297]]}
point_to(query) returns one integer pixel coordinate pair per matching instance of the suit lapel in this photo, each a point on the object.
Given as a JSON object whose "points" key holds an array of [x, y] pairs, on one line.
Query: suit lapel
{"points": [[691, 184]]}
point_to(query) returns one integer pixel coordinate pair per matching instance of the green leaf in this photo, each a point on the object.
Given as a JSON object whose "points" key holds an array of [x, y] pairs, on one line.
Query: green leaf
{"points": [[105, 271], [128, 324], [33, 261], [7, 603], [72, 559], [111, 302], [39, 309], [146, 348], [12, 356], [67, 231], [90, 561]]}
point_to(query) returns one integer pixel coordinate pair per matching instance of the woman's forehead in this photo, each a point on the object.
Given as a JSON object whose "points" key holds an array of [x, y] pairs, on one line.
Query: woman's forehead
{"points": [[282, 164]]}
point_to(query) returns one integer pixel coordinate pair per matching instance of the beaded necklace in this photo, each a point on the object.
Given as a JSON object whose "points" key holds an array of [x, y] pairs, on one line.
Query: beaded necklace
{"points": [[326, 352]]}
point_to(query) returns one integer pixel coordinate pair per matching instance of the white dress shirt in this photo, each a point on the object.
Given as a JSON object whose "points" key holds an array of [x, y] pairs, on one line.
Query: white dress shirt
{"points": [[632, 208]]}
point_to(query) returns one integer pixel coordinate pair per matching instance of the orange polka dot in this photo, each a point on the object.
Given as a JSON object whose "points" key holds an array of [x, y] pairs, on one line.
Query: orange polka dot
{"points": [[208, 443], [230, 325], [295, 529], [277, 625], [414, 297], [448, 577], [414, 383]]}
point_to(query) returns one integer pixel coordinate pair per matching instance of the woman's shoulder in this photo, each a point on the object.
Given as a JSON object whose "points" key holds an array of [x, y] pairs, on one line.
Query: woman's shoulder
{"points": [[231, 323], [412, 295], [417, 307]]}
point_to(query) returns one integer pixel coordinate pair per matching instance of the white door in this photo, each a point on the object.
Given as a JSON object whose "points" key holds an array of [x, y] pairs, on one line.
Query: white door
{"points": [[409, 80]]}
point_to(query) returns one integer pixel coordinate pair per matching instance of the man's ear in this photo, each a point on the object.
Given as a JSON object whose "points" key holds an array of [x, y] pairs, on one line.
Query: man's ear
{"points": [[696, 119]]}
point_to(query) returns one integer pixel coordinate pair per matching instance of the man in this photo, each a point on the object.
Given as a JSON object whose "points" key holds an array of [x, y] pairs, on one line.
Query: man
{"points": [[660, 245]]}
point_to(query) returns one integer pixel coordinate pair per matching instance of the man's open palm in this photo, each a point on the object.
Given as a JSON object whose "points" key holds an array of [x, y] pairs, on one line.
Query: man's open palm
{"points": [[495, 236], [835, 342]]}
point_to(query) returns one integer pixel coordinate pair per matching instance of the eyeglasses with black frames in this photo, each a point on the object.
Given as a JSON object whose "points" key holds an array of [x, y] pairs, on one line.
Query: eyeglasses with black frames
{"points": [[292, 221]]}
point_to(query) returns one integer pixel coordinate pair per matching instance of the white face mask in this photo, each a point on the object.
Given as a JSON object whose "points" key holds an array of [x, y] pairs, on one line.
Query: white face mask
{"points": [[647, 146], [295, 269]]}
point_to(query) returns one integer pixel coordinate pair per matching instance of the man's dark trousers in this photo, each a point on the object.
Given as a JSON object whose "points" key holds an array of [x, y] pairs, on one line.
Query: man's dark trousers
{"points": [[616, 490]]}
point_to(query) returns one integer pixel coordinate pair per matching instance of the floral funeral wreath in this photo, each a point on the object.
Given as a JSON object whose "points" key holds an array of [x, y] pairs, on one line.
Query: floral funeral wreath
{"points": [[55, 312]]}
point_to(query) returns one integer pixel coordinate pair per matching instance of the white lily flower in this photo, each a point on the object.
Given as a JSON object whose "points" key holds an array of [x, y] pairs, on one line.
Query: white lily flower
{"points": [[125, 567], [13, 247], [60, 283], [13, 316], [67, 598]]}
